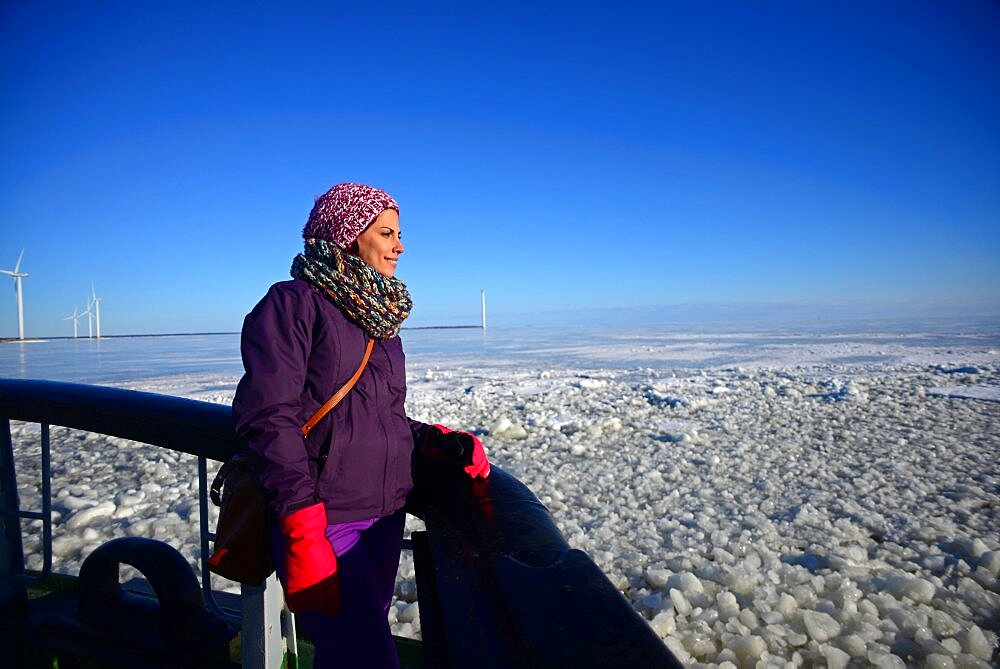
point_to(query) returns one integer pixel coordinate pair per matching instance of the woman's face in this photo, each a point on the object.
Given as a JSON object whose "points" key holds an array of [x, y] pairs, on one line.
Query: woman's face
{"points": [[379, 245]]}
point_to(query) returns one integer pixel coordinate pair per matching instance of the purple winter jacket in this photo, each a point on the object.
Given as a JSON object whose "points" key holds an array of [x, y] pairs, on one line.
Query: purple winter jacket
{"points": [[298, 350]]}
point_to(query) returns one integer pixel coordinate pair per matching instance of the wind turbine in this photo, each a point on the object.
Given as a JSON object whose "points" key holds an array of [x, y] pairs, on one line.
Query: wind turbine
{"points": [[90, 319], [17, 276], [73, 317], [97, 308]]}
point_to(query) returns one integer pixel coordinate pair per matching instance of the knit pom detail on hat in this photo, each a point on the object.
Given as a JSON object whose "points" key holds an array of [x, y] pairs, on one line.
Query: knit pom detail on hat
{"points": [[344, 211]]}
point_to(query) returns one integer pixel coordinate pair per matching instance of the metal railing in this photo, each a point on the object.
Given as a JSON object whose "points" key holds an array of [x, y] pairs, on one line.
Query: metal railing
{"points": [[498, 584], [199, 428]]}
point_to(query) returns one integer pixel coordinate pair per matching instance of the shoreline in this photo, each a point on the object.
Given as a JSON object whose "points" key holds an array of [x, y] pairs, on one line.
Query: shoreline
{"points": [[37, 340]]}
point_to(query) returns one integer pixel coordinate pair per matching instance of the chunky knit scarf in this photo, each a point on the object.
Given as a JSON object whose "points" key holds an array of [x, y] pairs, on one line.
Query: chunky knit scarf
{"points": [[377, 304]]}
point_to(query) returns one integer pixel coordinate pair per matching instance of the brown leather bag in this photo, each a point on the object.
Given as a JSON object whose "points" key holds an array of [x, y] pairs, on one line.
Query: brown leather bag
{"points": [[242, 535]]}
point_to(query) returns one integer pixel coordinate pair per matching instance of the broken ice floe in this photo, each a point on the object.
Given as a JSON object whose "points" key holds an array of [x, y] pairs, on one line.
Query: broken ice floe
{"points": [[796, 510]]}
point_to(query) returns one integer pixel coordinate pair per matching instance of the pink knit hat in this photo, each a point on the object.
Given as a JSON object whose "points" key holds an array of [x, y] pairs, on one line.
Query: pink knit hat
{"points": [[344, 211]]}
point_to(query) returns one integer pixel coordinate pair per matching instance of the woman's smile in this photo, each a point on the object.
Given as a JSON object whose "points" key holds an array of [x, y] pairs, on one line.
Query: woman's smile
{"points": [[380, 245]]}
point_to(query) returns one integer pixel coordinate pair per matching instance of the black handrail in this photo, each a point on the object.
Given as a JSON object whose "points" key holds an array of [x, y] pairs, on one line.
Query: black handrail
{"points": [[499, 586], [189, 426]]}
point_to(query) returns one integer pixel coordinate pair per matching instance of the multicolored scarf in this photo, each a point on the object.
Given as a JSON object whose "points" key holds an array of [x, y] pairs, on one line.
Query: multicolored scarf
{"points": [[377, 304]]}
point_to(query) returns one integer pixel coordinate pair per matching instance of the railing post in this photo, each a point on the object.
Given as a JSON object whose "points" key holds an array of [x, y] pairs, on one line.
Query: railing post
{"points": [[11, 548], [261, 641], [46, 502]]}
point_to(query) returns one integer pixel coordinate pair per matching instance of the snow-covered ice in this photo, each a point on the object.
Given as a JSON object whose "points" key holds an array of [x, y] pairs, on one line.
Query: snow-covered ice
{"points": [[819, 500]]}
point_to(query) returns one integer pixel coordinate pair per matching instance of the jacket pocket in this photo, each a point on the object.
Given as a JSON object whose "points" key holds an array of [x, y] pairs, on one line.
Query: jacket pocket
{"points": [[352, 476]]}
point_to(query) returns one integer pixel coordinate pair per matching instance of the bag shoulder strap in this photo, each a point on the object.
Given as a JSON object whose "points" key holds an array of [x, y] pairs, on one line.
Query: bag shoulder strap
{"points": [[340, 394]]}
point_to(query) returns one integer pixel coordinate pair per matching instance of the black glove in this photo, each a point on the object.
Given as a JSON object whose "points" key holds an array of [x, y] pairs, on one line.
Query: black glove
{"points": [[442, 443]]}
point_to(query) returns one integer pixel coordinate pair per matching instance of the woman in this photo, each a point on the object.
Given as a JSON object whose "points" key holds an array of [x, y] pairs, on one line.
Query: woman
{"points": [[338, 493]]}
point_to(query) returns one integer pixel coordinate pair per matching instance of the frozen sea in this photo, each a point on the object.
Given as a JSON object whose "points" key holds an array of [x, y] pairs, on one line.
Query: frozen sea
{"points": [[823, 494]]}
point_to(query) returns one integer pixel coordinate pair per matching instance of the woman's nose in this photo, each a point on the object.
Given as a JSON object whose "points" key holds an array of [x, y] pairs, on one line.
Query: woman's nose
{"points": [[399, 246]]}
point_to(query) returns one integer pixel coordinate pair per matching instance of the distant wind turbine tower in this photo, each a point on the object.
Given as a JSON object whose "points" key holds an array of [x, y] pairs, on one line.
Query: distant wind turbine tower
{"points": [[17, 276], [97, 309], [484, 308], [73, 317], [89, 313]]}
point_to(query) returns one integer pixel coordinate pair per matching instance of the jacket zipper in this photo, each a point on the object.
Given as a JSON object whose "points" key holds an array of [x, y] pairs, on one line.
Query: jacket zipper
{"points": [[385, 433]]}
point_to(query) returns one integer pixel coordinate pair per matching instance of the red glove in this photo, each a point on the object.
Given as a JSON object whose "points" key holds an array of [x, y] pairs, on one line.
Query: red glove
{"points": [[311, 565], [462, 447]]}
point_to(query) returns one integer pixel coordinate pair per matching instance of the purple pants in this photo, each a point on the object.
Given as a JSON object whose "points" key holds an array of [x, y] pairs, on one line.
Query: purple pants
{"points": [[359, 636]]}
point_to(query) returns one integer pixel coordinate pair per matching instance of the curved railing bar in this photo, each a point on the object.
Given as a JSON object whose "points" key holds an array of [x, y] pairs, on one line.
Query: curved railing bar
{"points": [[190, 426]]}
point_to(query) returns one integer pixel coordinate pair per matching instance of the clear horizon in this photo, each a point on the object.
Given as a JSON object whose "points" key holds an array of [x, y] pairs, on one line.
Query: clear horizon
{"points": [[787, 319], [807, 159]]}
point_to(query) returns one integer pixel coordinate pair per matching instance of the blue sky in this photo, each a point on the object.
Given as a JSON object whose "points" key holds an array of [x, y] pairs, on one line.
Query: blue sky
{"points": [[567, 158]]}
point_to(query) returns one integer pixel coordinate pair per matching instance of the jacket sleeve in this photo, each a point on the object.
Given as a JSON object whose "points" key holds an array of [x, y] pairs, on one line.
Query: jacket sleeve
{"points": [[276, 341]]}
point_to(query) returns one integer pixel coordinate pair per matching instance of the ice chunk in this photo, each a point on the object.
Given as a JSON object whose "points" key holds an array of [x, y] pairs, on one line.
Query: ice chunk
{"points": [[722, 556], [619, 580], [700, 640], [72, 503], [66, 546], [656, 577], [835, 658], [87, 516], [786, 605], [885, 660], [821, 626], [677, 648], [749, 618], [500, 426], [908, 620], [772, 617], [663, 623], [131, 498], [855, 554], [690, 584], [740, 581], [977, 547], [680, 602], [652, 603], [517, 432], [975, 643], [505, 428], [939, 661], [408, 612], [918, 589], [934, 563], [407, 591], [984, 578], [952, 646], [797, 639], [867, 607], [747, 647], [991, 561], [727, 604]]}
